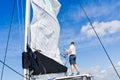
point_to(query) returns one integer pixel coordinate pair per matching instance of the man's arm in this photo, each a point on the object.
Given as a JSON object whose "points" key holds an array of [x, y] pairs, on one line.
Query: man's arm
{"points": [[69, 51]]}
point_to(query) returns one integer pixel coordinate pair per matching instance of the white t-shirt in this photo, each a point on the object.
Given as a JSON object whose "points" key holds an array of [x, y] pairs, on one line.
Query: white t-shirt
{"points": [[72, 47]]}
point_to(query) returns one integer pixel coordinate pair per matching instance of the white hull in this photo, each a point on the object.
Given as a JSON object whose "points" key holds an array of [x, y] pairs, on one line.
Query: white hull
{"points": [[47, 76], [61, 76]]}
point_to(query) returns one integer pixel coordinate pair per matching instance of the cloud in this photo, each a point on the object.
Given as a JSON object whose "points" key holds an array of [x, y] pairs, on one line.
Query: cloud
{"points": [[66, 36], [102, 28], [103, 74], [103, 14], [118, 64], [103, 10], [108, 32], [99, 10]]}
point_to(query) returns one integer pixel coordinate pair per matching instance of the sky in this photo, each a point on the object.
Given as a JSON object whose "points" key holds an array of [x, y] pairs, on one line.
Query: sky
{"points": [[74, 26]]}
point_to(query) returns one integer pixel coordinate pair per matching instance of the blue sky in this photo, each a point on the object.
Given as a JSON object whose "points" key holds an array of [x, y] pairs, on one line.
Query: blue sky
{"points": [[74, 26]]}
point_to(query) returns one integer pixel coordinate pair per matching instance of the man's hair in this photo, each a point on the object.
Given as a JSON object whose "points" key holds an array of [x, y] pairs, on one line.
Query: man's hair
{"points": [[72, 43]]}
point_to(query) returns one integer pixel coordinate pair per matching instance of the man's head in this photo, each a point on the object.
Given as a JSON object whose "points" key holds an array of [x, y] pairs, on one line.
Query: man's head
{"points": [[72, 43]]}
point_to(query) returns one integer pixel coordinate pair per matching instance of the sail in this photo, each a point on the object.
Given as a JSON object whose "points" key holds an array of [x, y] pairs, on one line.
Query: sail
{"points": [[45, 28], [43, 56]]}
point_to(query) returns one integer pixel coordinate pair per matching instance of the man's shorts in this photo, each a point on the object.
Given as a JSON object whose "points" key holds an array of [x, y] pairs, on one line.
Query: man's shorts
{"points": [[72, 59]]}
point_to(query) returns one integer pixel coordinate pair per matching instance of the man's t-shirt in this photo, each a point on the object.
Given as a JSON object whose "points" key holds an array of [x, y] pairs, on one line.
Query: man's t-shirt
{"points": [[72, 48]]}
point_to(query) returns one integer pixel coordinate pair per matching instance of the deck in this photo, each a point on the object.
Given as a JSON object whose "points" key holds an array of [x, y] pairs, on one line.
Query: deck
{"points": [[76, 77]]}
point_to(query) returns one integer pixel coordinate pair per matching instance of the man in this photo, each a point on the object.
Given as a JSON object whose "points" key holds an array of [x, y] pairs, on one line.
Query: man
{"points": [[72, 59]]}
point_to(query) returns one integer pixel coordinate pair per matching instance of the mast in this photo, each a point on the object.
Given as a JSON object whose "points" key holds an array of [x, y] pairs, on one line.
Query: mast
{"points": [[27, 24]]}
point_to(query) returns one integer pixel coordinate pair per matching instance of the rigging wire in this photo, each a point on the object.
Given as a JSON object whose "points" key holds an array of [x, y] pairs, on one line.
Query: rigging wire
{"points": [[12, 69], [3, 62], [100, 41], [8, 38]]}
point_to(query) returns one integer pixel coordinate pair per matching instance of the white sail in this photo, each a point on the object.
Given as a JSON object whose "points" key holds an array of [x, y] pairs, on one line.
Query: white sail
{"points": [[45, 28]]}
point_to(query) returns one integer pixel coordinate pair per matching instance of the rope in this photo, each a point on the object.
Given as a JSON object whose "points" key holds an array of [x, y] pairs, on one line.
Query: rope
{"points": [[100, 41], [12, 69], [8, 39]]}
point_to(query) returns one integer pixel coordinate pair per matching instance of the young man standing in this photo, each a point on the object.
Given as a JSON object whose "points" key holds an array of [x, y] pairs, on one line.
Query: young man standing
{"points": [[72, 59]]}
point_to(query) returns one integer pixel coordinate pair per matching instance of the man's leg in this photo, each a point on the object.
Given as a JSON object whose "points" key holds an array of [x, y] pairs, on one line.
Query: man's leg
{"points": [[76, 68], [72, 69]]}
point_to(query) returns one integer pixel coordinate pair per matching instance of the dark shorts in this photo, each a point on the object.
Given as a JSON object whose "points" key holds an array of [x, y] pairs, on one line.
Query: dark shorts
{"points": [[72, 59]]}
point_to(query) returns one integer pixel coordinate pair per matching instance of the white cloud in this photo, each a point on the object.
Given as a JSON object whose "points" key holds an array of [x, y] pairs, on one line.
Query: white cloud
{"points": [[108, 32], [103, 11], [96, 11], [118, 64], [102, 28], [103, 74]]}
